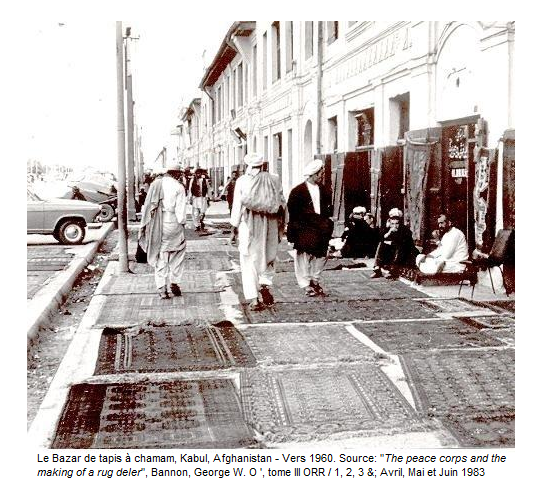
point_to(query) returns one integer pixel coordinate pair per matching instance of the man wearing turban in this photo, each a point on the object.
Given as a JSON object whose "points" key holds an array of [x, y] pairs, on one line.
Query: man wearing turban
{"points": [[310, 227]]}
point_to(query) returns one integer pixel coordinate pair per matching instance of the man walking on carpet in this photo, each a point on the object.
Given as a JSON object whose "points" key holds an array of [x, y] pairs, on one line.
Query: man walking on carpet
{"points": [[258, 215], [162, 231], [200, 194], [310, 227]]}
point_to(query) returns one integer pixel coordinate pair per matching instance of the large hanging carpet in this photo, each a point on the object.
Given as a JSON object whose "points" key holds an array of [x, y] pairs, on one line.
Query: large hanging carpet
{"points": [[324, 310], [451, 305], [400, 337], [471, 391], [182, 414], [125, 284], [315, 403], [305, 343], [132, 310], [196, 346]]}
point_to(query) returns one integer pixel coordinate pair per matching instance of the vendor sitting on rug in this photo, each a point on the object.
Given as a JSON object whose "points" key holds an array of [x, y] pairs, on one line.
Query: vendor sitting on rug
{"points": [[451, 251], [360, 236]]}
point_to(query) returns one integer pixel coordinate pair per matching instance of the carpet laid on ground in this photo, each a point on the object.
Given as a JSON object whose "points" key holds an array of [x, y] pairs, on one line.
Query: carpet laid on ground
{"points": [[491, 321], [400, 337], [196, 346], [212, 260], [509, 305], [182, 414], [304, 343], [314, 403], [450, 305], [464, 389], [326, 310], [125, 284], [138, 309], [35, 281]]}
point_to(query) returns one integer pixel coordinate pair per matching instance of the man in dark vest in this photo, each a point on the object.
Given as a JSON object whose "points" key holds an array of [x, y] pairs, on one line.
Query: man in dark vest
{"points": [[200, 194], [310, 227]]}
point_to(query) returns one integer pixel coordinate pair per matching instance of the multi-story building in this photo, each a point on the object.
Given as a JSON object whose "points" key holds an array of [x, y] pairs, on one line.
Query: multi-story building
{"points": [[415, 114]]}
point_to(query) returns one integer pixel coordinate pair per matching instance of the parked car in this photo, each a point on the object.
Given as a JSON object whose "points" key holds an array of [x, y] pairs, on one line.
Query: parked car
{"points": [[65, 219]]}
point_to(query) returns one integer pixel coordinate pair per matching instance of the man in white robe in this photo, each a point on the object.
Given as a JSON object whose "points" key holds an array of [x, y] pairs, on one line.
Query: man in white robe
{"points": [[162, 232], [259, 235], [451, 251]]}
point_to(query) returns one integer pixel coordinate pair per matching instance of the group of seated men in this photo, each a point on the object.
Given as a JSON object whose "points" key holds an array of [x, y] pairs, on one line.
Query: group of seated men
{"points": [[394, 248]]}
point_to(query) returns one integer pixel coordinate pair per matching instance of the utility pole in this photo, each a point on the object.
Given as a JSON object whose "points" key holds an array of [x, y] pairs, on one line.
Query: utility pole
{"points": [[123, 266], [130, 142]]}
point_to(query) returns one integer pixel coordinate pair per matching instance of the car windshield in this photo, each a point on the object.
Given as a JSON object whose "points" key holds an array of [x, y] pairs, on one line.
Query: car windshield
{"points": [[32, 196]]}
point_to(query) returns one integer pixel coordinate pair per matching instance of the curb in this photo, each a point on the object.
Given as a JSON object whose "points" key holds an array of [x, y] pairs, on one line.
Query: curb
{"points": [[44, 304]]}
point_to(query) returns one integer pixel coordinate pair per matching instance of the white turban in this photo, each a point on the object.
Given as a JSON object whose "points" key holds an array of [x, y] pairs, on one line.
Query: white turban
{"points": [[359, 209], [395, 213], [253, 160], [173, 166], [312, 167]]}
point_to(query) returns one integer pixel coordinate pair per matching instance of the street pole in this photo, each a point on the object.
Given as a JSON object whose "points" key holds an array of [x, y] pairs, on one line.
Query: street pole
{"points": [[130, 142], [123, 266]]}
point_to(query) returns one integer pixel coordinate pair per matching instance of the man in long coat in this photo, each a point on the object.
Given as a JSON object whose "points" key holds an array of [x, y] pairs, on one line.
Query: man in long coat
{"points": [[259, 234], [162, 231], [310, 227]]}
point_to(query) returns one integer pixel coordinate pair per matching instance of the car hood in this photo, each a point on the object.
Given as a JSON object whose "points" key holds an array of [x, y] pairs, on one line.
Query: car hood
{"points": [[73, 204]]}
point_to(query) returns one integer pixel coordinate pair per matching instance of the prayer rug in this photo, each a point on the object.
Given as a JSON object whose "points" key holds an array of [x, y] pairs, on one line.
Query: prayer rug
{"points": [[449, 305], [324, 310], [132, 310], [399, 337], [509, 305], [342, 263], [461, 381], [207, 246], [182, 414], [48, 263], [172, 349], [140, 268], [124, 284], [507, 336], [305, 343], [48, 252], [485, 430], [491, 321], [311, 403]]}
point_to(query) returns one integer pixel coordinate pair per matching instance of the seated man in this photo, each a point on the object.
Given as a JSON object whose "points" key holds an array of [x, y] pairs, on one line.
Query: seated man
{"points": [[396, 248], [451, 250], [360, 237]]}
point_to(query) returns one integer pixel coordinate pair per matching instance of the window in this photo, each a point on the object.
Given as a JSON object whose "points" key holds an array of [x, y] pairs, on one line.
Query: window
{"points": [[288, 46], [265, 60], [214, 109], [365, 126], [265, 149], [308, 38], [278, 154], [332, 128], [234, 88], [332, 31], [276, 56], [254, 68], [399, 117], [240, 85]]}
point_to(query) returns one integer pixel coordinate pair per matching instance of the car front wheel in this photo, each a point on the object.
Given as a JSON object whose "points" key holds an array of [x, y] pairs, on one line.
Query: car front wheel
{"points": [[107, 213], [71, 232]]}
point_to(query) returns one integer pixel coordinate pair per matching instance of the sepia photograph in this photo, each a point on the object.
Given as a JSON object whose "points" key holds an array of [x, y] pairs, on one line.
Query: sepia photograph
{"points": [[261, 235]]}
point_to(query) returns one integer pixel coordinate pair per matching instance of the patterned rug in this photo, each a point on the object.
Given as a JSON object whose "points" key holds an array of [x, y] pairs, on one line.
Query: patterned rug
{"points": [[307, 404], [207, 246], [185, 414], [324, 310], [212, 260], [491, 321], [400, 337], [132, 310], [172, 349], [509, 305], [338, 286], [48, 263], [124, 284], [304, 343], [485, 430], [450, 305], [462, 381]]}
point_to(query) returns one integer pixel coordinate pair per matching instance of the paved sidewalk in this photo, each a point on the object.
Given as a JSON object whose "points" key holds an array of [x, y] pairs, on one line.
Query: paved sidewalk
{"points": [[374, 363]]}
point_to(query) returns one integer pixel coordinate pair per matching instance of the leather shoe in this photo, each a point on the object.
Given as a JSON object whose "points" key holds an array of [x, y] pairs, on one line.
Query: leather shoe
{"points": [[255, 306], [310, 291], [164, 295], [175, 290], [376, 273], [391, 276], [267, 297], [317, 288]]}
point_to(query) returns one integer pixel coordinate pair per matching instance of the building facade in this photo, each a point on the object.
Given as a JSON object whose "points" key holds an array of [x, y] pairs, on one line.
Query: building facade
{"points": [[416, 114]]}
